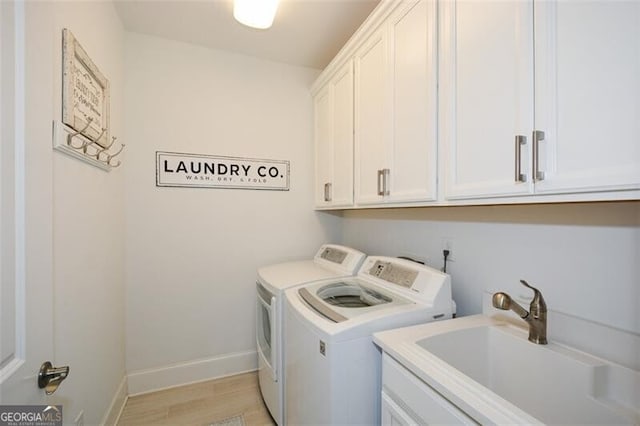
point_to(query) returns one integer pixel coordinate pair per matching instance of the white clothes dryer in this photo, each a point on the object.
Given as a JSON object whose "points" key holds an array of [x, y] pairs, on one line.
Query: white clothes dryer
{"points": [[331, 261], [332, 366]]}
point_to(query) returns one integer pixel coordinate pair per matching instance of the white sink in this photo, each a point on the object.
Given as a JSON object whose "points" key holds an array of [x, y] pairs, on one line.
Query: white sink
{"points": [[489, 370], [550, 382]]}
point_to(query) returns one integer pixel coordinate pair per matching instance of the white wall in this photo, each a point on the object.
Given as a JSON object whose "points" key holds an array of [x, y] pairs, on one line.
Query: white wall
{"points": [[192, 254], [86, 213], [583, 257]]}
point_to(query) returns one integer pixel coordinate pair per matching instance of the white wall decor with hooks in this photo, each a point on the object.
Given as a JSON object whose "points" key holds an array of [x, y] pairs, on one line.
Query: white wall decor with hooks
{"points": [[85, 92], [75, 144], [84, 132]]}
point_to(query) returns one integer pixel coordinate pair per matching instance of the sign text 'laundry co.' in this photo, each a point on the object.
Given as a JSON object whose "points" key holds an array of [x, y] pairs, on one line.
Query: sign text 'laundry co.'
{"points": [[210, 171]]}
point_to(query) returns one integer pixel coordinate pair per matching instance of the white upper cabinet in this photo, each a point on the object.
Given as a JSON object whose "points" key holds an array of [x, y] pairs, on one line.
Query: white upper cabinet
{"points": [[588, 95], [486, 96], [456, 102], [414, 72], [372, 122], [333, 106], [566, 123], [396, 104]]}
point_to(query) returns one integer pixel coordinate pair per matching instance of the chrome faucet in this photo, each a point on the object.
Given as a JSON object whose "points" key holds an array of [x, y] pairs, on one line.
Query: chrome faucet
{"points": [[536, 317]]}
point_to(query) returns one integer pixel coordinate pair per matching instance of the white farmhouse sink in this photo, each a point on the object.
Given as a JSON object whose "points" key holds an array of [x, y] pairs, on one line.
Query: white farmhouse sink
{"points": [[488, 369], [552, 383]]}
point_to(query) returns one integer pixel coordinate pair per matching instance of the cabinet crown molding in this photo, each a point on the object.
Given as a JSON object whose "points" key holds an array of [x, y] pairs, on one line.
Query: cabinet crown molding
{"points": [[373, 21]]}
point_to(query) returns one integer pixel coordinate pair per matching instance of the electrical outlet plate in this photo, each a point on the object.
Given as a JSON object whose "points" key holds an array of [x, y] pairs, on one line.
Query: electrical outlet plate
{"points": [[447, 244]]}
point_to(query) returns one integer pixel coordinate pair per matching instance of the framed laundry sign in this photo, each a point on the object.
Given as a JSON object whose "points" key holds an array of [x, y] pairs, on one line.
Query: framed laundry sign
{"points": [[211, 171], [85, 92]]}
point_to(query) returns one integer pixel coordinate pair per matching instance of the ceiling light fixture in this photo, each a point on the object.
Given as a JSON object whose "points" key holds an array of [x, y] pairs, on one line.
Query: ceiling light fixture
{"points": [[255, 13]]}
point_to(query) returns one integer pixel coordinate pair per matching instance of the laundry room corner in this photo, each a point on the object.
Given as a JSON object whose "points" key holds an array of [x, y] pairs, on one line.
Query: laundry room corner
{"points": [[191, 252]]}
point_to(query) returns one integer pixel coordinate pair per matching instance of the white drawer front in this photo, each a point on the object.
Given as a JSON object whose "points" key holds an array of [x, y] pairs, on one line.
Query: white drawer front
{"points": [[417, 399]]}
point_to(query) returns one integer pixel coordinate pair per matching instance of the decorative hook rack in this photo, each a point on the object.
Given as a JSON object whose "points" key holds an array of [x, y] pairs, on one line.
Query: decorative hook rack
{"points": [[76, 144]]}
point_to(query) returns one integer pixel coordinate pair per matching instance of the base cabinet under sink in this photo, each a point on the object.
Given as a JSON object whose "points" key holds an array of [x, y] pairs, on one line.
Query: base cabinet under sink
{"points": [[393, 414], [407, 400]]}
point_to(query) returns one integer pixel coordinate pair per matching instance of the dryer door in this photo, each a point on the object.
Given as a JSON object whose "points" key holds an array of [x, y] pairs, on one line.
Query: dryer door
{"points": [[266, 330]]}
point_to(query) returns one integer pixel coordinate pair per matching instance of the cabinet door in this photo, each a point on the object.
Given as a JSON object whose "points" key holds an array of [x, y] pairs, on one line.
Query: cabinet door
{"points": [[323, 131], [486, 95], [588, 95], [412, 44], [334, 140], [371, 118], [392, 414], [342, 188], [406, 397]]}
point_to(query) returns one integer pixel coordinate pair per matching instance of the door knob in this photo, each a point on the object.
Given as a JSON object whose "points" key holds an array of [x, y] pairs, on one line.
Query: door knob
{"points": [[50, 377]]}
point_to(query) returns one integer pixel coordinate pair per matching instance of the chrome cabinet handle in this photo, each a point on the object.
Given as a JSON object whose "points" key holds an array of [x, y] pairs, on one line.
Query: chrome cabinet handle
{"points": [[327, 191], [520, 140], [385, 181], [50, 377], [537, 137]]}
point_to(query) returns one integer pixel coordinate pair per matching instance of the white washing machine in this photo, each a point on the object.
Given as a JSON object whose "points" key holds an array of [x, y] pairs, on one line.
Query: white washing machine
{"points": [[331, 261], [332, 366]]}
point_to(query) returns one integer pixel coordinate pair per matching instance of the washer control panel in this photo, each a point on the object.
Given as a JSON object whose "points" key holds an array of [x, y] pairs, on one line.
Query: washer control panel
{"points": [[407, 277], [394, 273]]}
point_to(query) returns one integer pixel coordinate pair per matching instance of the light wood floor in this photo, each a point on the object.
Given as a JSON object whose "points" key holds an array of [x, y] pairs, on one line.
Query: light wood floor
{"points": [[200, 404]]}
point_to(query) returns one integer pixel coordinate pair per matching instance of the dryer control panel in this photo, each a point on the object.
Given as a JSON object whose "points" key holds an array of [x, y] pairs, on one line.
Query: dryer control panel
{"points": [[333, 254], [345, 260]]}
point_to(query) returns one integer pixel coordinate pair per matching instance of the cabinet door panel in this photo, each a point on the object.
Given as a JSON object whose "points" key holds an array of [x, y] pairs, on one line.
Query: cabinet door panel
{"points": [[333, 106], [486, 92], [414, 399], [588, 95], [371, 117], [392, 414], [323, 131], [412, 38], [342, 189]]}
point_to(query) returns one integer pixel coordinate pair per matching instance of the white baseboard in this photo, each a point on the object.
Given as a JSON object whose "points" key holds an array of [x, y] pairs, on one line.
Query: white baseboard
{"points": [[155, 379], [112, 415]]}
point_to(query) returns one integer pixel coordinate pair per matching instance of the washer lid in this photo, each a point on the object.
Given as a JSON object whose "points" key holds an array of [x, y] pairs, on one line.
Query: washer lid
{"points": [[339, 301], [351, 295]]}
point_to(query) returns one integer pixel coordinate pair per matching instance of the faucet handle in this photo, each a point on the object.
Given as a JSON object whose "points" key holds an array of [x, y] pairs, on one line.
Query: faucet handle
{"points": [[526, 284], [538, 304]]}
